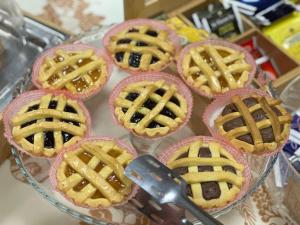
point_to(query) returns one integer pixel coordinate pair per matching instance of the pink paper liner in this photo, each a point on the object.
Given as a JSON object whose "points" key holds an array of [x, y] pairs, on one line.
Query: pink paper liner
{"points": [[27, 97], [72, 47], [59, 158], [248, 58], [262, 80], [238, 156], [173, 37], [153, 76], [214, 109]]}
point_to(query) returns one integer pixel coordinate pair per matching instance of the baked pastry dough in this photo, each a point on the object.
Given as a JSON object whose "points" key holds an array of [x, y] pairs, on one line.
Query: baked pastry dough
{"points": [[254, 123], [214, 177], [150, 107], [46, 125], [78, 71], [141, 48], [93, 174], [215, 69]]}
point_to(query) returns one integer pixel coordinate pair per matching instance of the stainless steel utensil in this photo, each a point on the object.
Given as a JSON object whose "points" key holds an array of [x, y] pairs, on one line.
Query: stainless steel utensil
{"points": [[20, 49], [165, 186]]}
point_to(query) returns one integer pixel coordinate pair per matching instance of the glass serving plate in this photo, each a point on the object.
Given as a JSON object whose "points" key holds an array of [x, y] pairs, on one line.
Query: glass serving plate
{"points": [[103, 125]]}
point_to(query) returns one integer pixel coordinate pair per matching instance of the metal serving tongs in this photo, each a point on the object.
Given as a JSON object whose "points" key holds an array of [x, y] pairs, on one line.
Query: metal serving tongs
{"points": [[164, 186]]}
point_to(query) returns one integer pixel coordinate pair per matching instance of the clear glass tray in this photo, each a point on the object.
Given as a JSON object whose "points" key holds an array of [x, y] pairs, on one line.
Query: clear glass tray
{"points": [[103, 125]]}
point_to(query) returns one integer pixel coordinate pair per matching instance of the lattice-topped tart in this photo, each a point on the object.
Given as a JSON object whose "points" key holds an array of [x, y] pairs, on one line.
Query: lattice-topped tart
{"points": [[92, 173], [141, 45], [214, 175], [79, 69], [254, 123], [150, 107], [42, 123], [214, 67]]}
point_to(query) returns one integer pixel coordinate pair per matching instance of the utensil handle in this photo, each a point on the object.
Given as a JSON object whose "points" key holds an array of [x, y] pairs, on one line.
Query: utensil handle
{"points": [[196, 211]]}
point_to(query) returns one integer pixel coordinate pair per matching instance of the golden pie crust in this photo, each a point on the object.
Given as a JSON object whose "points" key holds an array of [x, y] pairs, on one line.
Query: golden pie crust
{"points": [[93, 174], [150, 107], [213, 175], [78, 71], [46, 125], [261, 117], [215, 69], [141, 48]]}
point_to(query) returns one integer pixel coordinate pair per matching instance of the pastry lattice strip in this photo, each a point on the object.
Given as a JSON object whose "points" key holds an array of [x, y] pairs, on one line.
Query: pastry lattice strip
{"points": [[147, 91], [217, 161], [158, 47], [42, 115], [94, 174], [52, 68], [253, 127], [206, 73]]}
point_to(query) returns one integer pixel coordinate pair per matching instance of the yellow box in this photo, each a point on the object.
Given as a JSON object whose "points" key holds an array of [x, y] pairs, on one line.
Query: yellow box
{"points": [[286, 33]]}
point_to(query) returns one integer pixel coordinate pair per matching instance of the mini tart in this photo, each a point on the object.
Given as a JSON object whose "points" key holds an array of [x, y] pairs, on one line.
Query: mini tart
{"points": [[92, 173], [79, 69], [150, 108], [141, 45], [44, 125], [255, 124], [214, 177], [214, 67]]}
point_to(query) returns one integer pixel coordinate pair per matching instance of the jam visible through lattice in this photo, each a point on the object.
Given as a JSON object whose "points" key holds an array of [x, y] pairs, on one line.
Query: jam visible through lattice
{"points": [[210, 190], [82, 81], [112, 179], [258, 115], [49, 135], [150, 104], [215, 68], [93, 174], [135, 57]]}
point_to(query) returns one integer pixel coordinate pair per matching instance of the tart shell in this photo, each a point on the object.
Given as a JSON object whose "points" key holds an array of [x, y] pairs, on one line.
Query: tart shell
{"points": [[170, 79], [27, 97], [74, 47], [165, 156], [248, 58], [216, 107], [59, 159], [135, 22]]}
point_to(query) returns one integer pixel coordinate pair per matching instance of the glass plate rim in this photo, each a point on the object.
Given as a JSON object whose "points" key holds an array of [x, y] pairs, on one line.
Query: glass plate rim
{"points": [[25, 83]]}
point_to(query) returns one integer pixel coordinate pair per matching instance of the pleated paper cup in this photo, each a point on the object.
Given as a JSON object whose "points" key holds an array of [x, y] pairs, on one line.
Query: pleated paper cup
{"points": [[60, 157], [155, 76], [238, 156], [100, 83], [14, 107], [137, 22], [248, 58], [214, 110]]}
